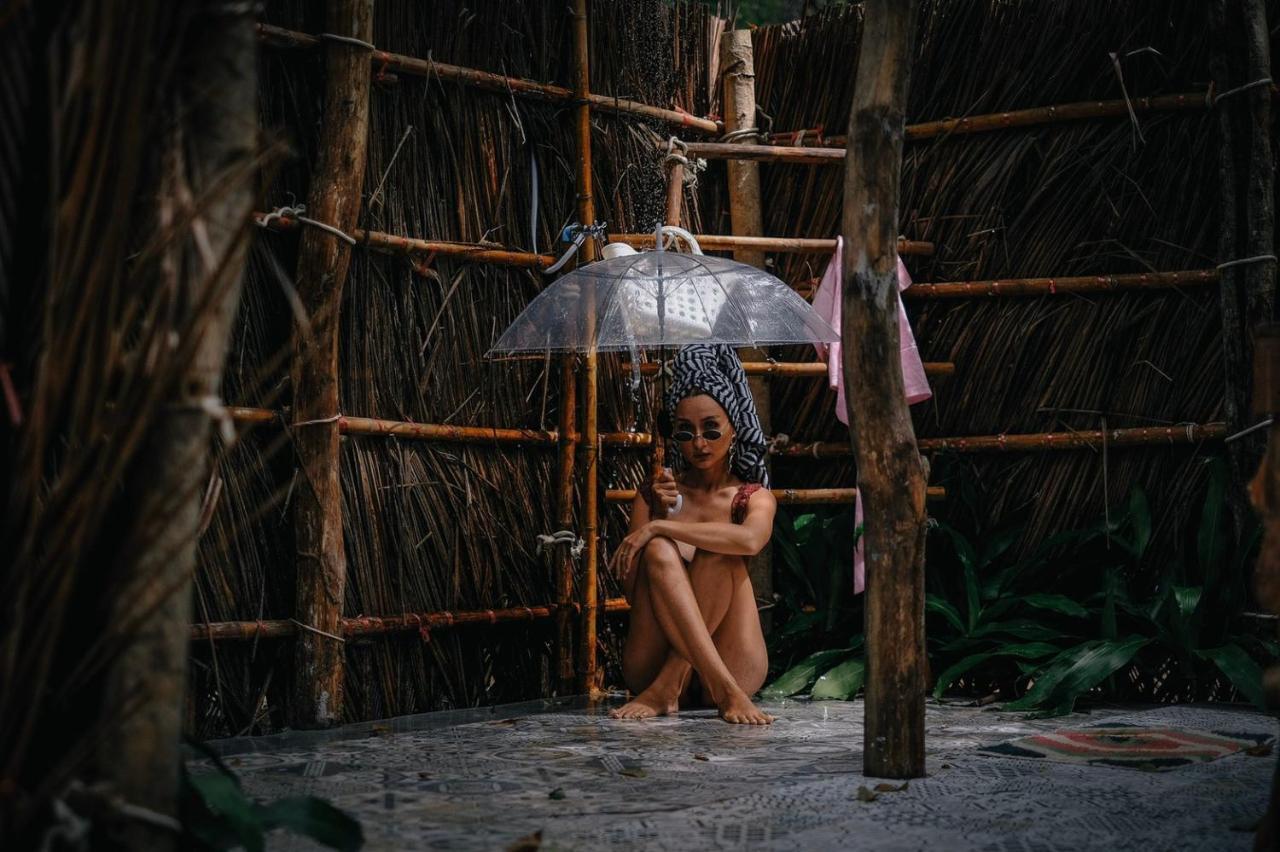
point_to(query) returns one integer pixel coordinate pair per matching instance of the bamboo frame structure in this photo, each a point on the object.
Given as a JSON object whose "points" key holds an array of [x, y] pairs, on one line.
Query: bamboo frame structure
{"points": [[364, 626], [1057, 113], [393, 244], [788, 245], [793, 369], [1190, 433], [490, 82], [788, 496]]}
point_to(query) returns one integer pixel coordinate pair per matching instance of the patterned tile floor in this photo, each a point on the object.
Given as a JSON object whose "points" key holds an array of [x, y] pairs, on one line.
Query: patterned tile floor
{"points": [[481, 779]]}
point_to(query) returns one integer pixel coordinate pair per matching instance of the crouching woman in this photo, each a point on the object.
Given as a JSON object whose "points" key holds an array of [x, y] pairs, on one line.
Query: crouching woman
{"points": [[695, 637]]}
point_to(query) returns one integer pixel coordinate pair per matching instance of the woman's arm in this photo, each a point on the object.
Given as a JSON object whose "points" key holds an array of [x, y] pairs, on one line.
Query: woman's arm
{"points": [[745, 539]]}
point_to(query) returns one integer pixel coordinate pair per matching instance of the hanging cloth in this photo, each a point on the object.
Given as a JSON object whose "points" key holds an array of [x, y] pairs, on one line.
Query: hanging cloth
{"points": [[827, 303]]}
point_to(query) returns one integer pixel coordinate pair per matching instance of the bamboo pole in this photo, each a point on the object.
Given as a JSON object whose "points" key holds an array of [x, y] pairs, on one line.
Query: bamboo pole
{"points": [[436, 432], [737, 69], [782, 245], [138, 749], [793, 368], [788, 496], [1055, 114], [323, 259], [393, 244], [1062, 286], [364, 626], [444, 433], [568, 444], [487, 81], [1085, 439], [1241, 68], [589, 673], [891, 473]]}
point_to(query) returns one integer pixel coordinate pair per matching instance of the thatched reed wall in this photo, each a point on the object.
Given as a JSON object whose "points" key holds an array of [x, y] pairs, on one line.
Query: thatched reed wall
{"points": [[1078, 198], [450, 527], [431, 526]]}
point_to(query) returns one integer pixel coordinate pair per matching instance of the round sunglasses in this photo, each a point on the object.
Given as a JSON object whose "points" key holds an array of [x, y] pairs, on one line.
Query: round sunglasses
{"points": [[684, 436]]}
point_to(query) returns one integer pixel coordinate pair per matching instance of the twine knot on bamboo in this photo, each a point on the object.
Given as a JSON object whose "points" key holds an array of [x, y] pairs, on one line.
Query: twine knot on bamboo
{"points": [[691, 166], [576, 234], [1259, 258], [295, 213], [569, 537]]}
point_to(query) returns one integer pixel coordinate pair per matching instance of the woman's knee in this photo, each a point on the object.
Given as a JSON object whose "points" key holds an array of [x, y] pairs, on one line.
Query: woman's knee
{"points": [[661, 552]]}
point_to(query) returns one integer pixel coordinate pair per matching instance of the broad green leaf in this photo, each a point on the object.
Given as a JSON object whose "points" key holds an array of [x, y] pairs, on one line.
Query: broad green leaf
{"points": [[800, 623], [973, 596], [1140, 518], [798, 677], [222, 796], [934, 603], [1188, 598], [805, 525], [1076, 672], [964, 549], [1056, 603], [1211, 538], [1030, 651], [1241, 669], [1020, 628], [314, 818], [842, 682], [997, 544]]}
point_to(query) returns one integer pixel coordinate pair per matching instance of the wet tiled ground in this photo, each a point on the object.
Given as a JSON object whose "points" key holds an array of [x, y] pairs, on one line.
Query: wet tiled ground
{"points": [[482, 779]]}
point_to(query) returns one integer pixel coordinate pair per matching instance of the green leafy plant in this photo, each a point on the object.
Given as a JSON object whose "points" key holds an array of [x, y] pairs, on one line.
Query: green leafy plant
{"points": [[217, 815], [1055, 623]]}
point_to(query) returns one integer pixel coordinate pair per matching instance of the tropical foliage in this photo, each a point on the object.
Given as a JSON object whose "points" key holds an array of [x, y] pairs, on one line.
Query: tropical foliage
{"points": [[1070, 616]]}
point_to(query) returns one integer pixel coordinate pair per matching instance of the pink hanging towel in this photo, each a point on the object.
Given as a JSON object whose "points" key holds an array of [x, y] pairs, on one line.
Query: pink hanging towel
{"points": [[827, 303]]}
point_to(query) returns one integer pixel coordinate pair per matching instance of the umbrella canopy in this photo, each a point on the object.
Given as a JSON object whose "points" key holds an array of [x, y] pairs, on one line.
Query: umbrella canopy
{"points": [[659, 299]]}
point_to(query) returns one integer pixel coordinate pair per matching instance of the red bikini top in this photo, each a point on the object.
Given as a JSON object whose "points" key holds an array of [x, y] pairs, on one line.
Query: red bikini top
{"points": [[737, 510]]}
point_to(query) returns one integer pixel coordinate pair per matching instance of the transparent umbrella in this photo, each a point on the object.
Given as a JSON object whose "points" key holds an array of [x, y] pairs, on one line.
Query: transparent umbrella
{"points": [[662, 299], [659, 299]]}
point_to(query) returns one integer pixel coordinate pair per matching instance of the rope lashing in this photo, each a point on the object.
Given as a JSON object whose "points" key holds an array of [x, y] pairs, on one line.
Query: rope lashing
{"points": [[1249, 430], [691, 166], [341, 39], [296, 213], [1265, 81], [1260, 258], [559, 537], [576, 234]]}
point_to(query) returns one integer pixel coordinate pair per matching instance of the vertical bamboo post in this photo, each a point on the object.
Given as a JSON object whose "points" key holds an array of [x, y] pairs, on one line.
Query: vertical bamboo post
{"points": [[737, 65], [588, 673], [323, 259], [890, 471], [140, 753], [1241, 65], [564, 579]]}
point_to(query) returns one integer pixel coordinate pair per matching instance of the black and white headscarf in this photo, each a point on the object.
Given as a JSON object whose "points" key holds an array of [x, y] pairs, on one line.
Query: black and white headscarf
{"points": [[714, 370]]}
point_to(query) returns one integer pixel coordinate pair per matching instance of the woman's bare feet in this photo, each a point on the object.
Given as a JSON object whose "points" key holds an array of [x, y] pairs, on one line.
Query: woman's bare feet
{"points": [[646, 705], [737, 709]]}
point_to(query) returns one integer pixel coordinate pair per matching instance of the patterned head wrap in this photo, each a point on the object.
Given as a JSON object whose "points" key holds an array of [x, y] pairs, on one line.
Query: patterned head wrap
{"points": [[714, 370]]}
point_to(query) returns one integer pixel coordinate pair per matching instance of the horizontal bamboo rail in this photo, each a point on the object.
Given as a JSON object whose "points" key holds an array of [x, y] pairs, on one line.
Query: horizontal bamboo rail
{"points": [[794, 368], [279, 628], [416, 431], [392, 244], [1062, 286], [792, 245], [789, 496], [384, 61], [1152, 435], [1085, 439], [441, 432], [797, 154], [1188, 101]]}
